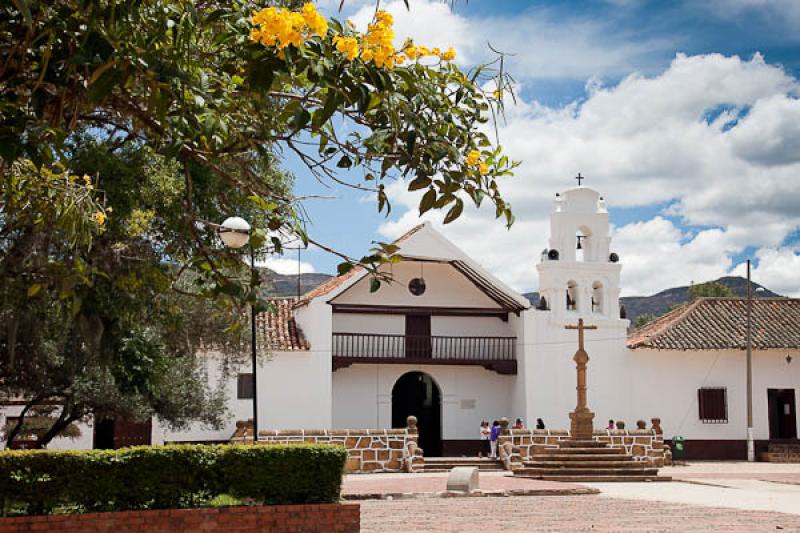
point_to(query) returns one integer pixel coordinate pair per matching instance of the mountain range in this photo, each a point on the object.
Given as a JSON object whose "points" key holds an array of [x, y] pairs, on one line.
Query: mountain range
{"points": [[285, 285]]}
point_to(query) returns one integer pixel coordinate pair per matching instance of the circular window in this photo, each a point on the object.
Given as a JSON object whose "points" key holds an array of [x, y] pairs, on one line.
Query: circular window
{"points": [[416, 286]]}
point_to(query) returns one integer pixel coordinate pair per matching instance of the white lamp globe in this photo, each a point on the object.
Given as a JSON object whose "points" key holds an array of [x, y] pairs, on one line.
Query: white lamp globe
{"points": [[234, 232]]}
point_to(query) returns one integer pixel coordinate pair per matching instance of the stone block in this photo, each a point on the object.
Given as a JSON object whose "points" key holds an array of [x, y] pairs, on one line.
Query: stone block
{"points": [[396, 444], [377, 444], [642, 440], [371, 467], [463, 479], [394, 464], [369, 455], [353, 464], [354, 453], [383, 455], [351, 442], [638, 450], [628, 440]]}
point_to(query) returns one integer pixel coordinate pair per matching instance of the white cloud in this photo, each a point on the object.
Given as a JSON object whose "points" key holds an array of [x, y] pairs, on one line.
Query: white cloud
{"points": [[541, 44], [777, 269], [286, 266], [655, 140]]}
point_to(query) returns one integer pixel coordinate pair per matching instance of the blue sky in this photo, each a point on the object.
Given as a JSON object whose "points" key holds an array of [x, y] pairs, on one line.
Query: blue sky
{"points": [[697, 153]]}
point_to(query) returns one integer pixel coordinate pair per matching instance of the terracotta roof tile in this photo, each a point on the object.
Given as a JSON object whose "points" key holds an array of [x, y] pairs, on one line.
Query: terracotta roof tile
{"points": [[279, 329], [336, 282], [721, 323]]}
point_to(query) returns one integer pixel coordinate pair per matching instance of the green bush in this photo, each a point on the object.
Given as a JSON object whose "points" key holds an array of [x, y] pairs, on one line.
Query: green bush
{"points": [[159, 477]]}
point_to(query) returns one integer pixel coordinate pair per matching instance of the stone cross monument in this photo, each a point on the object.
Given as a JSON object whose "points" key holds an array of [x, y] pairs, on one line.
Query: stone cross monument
{"points": [[581, 418]]}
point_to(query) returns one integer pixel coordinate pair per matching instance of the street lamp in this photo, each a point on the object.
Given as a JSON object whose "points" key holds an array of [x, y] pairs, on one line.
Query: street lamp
{"points": [[235, 233]]}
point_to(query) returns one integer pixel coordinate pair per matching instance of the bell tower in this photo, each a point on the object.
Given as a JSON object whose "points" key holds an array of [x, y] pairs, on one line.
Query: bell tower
{"points": [[578, 273]]}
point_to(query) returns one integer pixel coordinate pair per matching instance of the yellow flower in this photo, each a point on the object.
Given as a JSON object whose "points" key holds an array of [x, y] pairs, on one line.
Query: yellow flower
{"points": [[411, 52], [100, 218], [449, 55], [109, 209], [348, 46], [497, 93], [424, 51], [435, 52], [367, 54], [483, 168], [473, 157]]}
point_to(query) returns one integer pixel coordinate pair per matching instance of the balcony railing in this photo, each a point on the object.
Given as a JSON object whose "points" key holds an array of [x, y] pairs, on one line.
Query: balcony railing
{"points": [[497, 353]]}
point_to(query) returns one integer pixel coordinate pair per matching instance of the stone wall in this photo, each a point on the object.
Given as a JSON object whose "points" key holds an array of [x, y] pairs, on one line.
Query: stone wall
{"points": [[368, 450], [781, 453], [642, 444], [316, 518]]}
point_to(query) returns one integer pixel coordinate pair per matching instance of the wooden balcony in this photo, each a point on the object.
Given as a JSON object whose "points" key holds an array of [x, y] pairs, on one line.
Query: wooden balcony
{"points": [[493, 353]]}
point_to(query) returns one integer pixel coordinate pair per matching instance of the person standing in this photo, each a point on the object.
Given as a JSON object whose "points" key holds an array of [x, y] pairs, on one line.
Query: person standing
{"points": [[485, 434], [518, 424], [539, 423], [495, 432], [610, 424]]}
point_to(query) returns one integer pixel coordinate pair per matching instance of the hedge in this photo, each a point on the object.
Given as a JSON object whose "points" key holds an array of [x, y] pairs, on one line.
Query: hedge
{"points": [[160, 477]]}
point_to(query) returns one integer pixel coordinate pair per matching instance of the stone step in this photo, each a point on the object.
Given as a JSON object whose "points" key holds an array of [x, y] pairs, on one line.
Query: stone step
{"points": [[582, 444], [600, 479], [586, 471], [445, 464], [584, 464], [587, 451], [581, 457]]}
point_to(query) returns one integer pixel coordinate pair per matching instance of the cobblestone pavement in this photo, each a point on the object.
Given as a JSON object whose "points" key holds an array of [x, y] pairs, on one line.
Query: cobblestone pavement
{"points": [[561, 513]]}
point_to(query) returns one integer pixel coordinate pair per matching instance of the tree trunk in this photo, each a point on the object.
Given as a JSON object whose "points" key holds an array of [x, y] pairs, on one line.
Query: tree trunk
{"points": [[67, 417], [12, 435]]}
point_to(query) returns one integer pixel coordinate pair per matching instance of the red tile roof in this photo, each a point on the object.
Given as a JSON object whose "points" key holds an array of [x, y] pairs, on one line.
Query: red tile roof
{"points": [[334, 283], [721, 323], [279, 329]]}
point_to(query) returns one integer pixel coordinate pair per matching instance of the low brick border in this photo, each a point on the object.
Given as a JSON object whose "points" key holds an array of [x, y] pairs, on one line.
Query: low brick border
{"points": [[308, 518], [576, 491]]}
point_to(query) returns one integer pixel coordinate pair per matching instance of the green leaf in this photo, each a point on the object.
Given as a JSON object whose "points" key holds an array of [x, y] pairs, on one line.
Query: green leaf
{"points": [[427, 201], [419, 183], [345, 162], [300, 119], [454, 212], [374, 285], [34, 289], [104, 84], [344, 268]]}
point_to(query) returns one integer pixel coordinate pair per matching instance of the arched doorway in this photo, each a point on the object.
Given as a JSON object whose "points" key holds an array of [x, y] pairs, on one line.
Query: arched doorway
{"points": [[416, 393]]}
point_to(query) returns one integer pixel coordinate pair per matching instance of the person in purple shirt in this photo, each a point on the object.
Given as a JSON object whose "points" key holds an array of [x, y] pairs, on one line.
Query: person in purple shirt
{"points": [[493, 438]]}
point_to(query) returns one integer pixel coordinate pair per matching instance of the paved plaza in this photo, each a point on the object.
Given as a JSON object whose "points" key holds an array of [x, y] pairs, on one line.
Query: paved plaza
{"points": [[705, 497]]}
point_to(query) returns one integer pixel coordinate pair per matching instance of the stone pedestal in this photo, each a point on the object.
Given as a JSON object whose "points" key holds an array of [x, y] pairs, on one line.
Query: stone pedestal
{"points": [[581, 427]]}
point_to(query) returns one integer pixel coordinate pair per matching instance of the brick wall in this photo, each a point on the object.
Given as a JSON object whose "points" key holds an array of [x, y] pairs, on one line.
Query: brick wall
{"points": [[320, 518], [643, 444], [368, 450]]}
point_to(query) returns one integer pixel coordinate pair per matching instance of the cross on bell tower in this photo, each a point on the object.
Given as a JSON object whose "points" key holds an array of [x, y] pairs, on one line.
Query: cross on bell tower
{"points": [[579, 178]]}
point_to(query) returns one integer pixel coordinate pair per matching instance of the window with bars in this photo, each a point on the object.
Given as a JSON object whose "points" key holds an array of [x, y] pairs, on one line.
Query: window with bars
{"points": [[244, 387], [713, 405]]}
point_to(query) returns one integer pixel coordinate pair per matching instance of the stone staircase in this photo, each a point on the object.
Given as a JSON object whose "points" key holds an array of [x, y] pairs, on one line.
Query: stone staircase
{"points": [[445, 464], [587, 461]]}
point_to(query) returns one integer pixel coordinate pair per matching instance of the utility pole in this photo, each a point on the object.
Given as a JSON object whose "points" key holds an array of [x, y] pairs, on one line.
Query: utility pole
{"points": [[751, 452]]}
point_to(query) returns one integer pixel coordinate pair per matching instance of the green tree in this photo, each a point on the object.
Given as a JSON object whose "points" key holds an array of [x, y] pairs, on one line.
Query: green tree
{"points": [[646, 318], [128, 128], [710, 289]]}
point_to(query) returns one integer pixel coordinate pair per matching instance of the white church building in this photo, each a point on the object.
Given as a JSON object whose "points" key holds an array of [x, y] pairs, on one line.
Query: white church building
{"points": [[449, 343]]}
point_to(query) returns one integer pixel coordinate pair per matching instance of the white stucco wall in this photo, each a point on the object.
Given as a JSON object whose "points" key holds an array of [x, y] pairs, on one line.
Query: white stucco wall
{"points": [[362, 396], [445, 287], [549, 370], [293, 391], [666, 383], [83, 442]]}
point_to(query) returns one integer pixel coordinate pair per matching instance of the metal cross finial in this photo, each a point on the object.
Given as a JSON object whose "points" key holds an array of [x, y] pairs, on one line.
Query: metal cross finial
{"points": [[579, 178]]}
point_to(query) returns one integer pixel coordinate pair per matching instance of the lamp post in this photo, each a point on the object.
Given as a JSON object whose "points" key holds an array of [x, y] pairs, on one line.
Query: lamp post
{"points": [[751, 451], [235, 233]]}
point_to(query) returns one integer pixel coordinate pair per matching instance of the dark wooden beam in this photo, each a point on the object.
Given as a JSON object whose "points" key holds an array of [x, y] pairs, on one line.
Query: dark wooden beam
{"points": [[507, 367], [406, 310]]}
